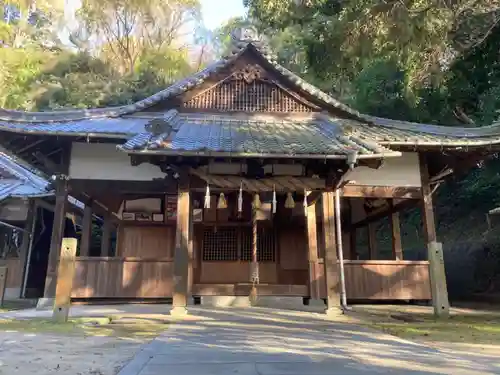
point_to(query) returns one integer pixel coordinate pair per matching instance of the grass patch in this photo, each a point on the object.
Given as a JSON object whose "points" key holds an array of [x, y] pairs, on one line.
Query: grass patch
{"points": [[461, 327], [99, 326]]}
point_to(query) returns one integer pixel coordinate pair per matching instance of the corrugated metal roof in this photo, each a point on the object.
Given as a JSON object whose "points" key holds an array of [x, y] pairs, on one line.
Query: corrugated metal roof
{"points": [[263, 135]]}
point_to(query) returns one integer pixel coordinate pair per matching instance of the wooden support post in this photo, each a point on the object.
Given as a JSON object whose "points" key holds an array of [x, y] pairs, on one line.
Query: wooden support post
{"points": [[86, 230], [57, 235], [397, 247], [3, 283], [372, 241], [65, 275], [182, 250], [312, 246], [332, 279], [107, 227], [437, 274], [29, 227]]}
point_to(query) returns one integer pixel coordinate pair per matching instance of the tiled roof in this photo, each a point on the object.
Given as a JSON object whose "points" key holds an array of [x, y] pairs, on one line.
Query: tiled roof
{"points": [[207, 133], [389, 133], [251, 135], [111, 127], [19, 181]]}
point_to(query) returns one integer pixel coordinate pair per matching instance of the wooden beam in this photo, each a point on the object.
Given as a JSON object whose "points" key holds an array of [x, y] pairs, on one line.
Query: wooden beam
{"points": [[359, 191], [65, 273], [437, 273], [57, 235], [182, 249], [312, 251], [86, 238], [332, 278], [397, 247], [372, 241]]}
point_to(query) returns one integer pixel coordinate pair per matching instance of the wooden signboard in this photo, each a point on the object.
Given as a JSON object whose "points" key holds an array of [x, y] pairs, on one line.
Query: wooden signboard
{"points": [[65, 275], [3, 283]]}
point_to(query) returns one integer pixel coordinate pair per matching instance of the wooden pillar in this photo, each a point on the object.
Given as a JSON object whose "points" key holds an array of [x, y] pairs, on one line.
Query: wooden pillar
{"points": [[372, 241], [24, 253], [312, 253], [65, 273], [437, 274], [397, 247], [107, 228], [86, 230], [3, 283], [57, 235], [182, 254], [332, 278]]}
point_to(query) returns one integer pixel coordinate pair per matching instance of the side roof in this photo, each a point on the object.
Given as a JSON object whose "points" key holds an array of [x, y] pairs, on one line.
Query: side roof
{"points": [[19, 182]]}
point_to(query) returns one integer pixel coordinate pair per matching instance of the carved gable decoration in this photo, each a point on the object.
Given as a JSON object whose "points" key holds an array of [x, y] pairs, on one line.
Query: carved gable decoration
{"points": [[249, 90]]}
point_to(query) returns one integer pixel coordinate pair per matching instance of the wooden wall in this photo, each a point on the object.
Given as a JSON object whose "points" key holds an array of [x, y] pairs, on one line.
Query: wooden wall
{"points": [[15, 269], [383, 280], [122, 278], [146, 241], [143, 268], [292, 256]]}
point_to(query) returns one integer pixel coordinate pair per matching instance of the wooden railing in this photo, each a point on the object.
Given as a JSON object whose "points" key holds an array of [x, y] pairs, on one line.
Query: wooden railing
{"points": [[14, 272], [104, 277], [383, 280]]}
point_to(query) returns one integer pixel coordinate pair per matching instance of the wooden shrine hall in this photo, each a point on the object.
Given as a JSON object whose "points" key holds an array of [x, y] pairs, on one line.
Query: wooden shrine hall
{"points": [[244, 180]]}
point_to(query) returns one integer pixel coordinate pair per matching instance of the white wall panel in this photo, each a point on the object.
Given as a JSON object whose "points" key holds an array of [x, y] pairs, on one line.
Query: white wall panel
{"points": [[100, 161]]}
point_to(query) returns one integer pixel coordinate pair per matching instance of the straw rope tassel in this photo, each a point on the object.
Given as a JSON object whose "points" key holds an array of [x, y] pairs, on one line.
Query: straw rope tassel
{"points": [[207, 198]]}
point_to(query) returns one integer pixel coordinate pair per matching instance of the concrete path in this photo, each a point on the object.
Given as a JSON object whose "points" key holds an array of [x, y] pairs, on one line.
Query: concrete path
{"points": [[264, 341]]}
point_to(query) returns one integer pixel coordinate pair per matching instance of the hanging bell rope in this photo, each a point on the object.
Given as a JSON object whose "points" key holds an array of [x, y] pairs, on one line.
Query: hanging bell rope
{"points": [[289, 202], [207, 197], [222, 203], [255, 264]]}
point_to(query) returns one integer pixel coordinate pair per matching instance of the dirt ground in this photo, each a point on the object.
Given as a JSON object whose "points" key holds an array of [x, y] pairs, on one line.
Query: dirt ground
{"points": [[29, 353]]}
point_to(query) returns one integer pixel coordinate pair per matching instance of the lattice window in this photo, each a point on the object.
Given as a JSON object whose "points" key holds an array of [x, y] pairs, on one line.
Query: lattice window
{"points": [[235, 243], [240, 96], [265, 244], [220, 244]]}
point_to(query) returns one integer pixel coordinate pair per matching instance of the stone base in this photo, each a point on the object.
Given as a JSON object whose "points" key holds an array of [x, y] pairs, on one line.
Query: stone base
{"points": [[226, 301], [45, 303], [333, 312], [178, 311], [12, 293], [317, 303], [280, 302]]}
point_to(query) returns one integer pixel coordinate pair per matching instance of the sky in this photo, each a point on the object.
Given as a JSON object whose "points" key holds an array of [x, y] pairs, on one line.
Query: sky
{"points": [[216, 12]]}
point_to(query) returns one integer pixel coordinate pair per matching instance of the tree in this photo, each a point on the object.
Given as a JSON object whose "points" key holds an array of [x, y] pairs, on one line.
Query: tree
{"points": [[123, 30]]}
